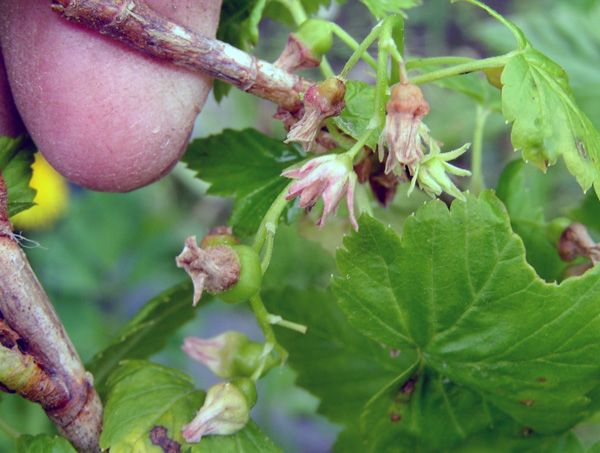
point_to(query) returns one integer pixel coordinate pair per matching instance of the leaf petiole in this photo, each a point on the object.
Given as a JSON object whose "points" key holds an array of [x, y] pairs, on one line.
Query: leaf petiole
{"points": [[448, 60], [7, 429], [263, 319], [268, 227], [477, 184], [464, 68]]}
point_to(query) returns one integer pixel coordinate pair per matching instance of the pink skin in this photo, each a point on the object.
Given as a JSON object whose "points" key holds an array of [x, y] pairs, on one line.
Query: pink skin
{"points": [[10, 122], [106, 117]]}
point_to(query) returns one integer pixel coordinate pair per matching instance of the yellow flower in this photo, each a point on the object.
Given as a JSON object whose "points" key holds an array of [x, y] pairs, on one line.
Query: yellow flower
{"points": [[51, 198]]}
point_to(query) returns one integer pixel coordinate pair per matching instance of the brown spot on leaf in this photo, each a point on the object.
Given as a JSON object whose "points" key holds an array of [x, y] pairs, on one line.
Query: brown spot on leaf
{"points": [[527, 432], [408, 387], [158, 437], [542, 379], [527, 403], [581, 148], [395, 417]]}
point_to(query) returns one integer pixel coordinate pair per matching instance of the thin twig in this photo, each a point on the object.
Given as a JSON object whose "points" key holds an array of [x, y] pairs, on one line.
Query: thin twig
{"points": [[37, 359], [135, 24]]}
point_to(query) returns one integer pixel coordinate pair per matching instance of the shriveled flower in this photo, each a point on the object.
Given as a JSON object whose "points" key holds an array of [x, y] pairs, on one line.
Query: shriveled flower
{"points": [[320, 102], [328, 177], [215, 268], [432, 172], [404, 112], [225, 411]]}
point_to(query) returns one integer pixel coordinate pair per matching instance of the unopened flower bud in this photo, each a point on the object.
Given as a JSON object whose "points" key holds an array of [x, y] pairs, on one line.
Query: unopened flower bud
{"points": [[225, 411], [320, 102], [228, 355]]}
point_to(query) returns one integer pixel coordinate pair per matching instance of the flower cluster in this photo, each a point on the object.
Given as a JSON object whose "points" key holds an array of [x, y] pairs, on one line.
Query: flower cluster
{"points": [[407, 139], [329, 177]]}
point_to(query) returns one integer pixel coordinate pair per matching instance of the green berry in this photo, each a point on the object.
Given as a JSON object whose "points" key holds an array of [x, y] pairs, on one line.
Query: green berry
{"points": [[248, 388], [249, 279], [316, 35]]}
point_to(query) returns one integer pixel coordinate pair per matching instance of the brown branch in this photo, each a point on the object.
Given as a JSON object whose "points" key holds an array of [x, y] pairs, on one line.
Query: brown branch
{"points": [[37, 359], [141, 28]]}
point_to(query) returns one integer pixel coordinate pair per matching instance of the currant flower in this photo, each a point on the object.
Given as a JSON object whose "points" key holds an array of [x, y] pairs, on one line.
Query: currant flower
{"points": [[320, 102], [225, 411], [228, 355], [328, 177], [432, 172], [404, 112]]}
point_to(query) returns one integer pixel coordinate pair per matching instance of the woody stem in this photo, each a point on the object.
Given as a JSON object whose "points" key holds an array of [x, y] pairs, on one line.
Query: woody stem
{"points": [[144, 30]]}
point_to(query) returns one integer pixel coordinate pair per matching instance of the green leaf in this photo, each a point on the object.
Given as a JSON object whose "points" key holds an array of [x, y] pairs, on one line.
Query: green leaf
{"points": [[233, 25], [382, 8], [16, 157], [43, 443], [333, 361], [147, 332], [457, 288], [547, 123], [524, 190], [277, 11], [249, 440], [143, 396], [354, 119], [429, 411], [247, 165], [588, 212]]}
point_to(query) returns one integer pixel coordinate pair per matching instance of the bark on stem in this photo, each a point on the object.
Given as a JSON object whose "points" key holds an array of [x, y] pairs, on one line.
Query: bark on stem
{"points": [[37, 358], [135, 24]]}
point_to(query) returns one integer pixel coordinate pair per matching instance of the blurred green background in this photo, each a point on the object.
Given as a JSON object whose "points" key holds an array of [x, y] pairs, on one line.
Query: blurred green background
{"points": [[114, 252]]}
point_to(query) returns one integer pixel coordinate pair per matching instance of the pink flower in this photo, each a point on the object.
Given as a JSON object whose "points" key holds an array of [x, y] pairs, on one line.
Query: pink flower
{"points": [[328, 177], [405, 110]]}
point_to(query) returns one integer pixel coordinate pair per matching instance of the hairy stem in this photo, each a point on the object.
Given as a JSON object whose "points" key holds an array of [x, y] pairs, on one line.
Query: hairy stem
{"points": [[142, 29], [459, 69], [477, 184]]}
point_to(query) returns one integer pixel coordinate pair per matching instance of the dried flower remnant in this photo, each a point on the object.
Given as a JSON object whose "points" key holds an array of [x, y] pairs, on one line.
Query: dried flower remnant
{"points": [[320, 102], [215, 268], [575, 241], [296, 56], [404, 113], [306, 47], [328, 177]]}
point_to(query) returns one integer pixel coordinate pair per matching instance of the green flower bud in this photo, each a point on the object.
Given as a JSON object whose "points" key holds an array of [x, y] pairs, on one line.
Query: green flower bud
{"points": [[225, 411], [228, 355]]}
